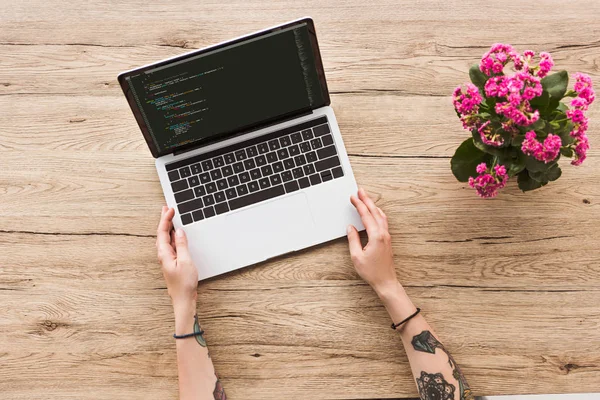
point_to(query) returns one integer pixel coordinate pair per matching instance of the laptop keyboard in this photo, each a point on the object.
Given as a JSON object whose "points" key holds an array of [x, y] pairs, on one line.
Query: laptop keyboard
{"points": [[253, 171]]}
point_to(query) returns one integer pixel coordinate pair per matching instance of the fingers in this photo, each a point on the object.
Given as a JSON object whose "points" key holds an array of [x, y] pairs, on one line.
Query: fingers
{"points": [[373, 209], [354, 242], [163, 237], [384, 219], [181, 244], [365, 215]]}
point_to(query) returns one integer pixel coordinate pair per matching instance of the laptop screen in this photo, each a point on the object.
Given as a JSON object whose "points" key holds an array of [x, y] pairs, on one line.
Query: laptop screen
{"points": [[221, 91]]}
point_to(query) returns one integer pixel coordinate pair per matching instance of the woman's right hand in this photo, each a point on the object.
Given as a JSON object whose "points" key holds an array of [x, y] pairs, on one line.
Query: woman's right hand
{"points": [[374, 263]]}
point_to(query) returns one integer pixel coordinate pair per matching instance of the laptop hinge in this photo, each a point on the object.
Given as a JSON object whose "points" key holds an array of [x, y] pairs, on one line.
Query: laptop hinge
{"points": [[177, 152]]}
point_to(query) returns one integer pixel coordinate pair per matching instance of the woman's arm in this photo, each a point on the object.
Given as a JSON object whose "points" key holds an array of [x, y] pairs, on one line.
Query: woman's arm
{"points": [[197, 378], [436, 372]]}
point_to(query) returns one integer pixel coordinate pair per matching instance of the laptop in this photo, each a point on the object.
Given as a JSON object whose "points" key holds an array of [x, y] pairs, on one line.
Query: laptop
{"points": [[247, 147]]}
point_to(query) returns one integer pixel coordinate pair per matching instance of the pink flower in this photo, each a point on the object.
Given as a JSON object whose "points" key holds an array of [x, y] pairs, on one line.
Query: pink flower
{"points": [[580, 147], [497, 57], [546, 64], [584, 87], [489, 182], [518, 91], [488, 136], [580, 103], [467, 102], [546, 152], [528, 54]]}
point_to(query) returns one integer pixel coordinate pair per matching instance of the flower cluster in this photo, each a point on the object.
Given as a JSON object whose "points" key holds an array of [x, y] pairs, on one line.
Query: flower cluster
{"points": [[467, 104], [585, 97], [489, 181], [520, 122], [546, 151]]}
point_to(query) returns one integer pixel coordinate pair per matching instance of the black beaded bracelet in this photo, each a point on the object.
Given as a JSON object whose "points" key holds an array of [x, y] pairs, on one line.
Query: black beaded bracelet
{"points": [[187, 335], [405, 320]]}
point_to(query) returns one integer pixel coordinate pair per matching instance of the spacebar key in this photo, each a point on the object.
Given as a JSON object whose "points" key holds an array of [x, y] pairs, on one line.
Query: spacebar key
{"points": [[256, 197]]}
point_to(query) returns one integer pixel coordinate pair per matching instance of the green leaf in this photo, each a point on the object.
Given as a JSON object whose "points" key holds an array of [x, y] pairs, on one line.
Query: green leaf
{"points": [[478, 78], [540, 102], [562, 107], [526, 183], [554, 173], [565, 133], [465, 159], [556, 84], [534, 165], [537, 125], [566, 151], [515, 167]]}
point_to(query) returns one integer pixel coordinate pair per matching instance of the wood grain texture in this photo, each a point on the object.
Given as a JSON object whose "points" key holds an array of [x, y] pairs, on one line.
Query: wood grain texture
{"points": [[511, 285]]}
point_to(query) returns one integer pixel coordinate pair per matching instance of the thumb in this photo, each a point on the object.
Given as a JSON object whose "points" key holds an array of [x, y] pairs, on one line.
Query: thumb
{"points": [[354, 241], [181, 244]]}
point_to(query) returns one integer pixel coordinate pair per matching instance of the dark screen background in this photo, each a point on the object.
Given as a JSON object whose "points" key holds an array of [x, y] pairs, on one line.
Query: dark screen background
{"points": [[227, 90]]}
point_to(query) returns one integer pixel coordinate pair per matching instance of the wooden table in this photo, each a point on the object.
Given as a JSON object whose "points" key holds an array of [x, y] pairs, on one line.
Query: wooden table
{"points": [[512, 285]]}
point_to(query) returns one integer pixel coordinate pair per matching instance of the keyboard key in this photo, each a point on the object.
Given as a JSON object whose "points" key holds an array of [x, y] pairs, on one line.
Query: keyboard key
{"points": [[216, 174], [199, 191], [222, 184], [275, 179], [219, 197], [278, 167], [209, 212], [207, 165], [221, 208], [218, 162], [296, 137], [311, 157], [244, 177], [326, 175], [196, 169], [255, 174], [227, 170], [204, 178], [327, 140], [251, 151], [297, 172], [238, 167], [285, 141], [337, 172], [264, 183], [300, 160], [209, 200], [286, 176], [174, 175], [282, 154], [274, 144], [249, 164], [253, 186], [315, 179], [261, 160], [189, 206], [321, 130], [309, 169], [185, 172], [240, 155], [198, 215], [186, 219], [230, 193], [326, 152], [184, 196], [229, 158], [294, 150], [233, 181], [262, 148], [304, 147], [307, 134], [242, 190], [256, 197], [288, 163], [291, 186], [179, 185], [328, 163], [304, 183], [316, 143], [272, 157], [193, 181], [266, 170], [211, 187]]}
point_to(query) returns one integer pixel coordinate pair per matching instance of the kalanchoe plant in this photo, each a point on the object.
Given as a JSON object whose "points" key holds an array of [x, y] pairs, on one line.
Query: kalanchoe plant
{"points": [[520, 123]]}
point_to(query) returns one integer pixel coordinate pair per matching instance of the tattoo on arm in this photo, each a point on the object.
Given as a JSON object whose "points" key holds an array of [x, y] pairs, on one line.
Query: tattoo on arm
{"points": [[219, 392], [434, 386]]}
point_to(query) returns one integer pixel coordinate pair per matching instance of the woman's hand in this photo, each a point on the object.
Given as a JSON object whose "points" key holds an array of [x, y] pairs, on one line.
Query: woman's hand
{"points": [[374, 263], [177, 266]]}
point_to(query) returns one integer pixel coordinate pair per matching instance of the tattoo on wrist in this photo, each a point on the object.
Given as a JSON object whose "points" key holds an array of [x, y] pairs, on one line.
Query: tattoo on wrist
{"points": [[434, 386], [197, 329], [219, 393]]}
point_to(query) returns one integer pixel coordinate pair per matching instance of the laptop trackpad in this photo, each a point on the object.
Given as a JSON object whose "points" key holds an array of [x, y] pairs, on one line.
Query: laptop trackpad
{"points": [[270, 229]]}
